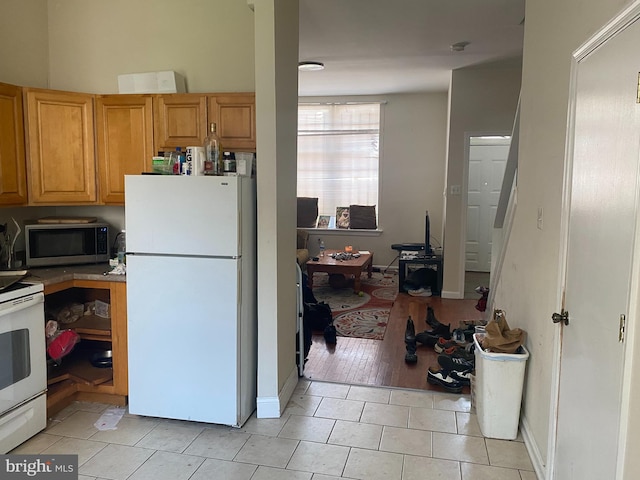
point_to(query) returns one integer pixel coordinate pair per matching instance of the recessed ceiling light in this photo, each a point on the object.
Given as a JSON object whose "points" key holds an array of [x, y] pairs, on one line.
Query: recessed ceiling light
{"points": [[459, 47], [310, 66]]}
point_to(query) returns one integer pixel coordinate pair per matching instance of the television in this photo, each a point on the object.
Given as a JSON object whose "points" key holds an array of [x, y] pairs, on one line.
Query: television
{"points": [[427, 235]]}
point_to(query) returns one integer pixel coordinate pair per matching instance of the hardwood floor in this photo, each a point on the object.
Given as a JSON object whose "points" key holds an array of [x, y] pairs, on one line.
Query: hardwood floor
{"points": [[381, 363]]}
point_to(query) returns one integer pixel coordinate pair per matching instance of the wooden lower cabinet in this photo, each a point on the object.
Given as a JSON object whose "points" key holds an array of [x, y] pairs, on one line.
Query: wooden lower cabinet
{"points": [[74, 377]]}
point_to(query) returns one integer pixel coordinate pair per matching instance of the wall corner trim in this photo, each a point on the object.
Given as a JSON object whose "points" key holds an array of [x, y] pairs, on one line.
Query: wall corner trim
{"points": [[272, 407]]}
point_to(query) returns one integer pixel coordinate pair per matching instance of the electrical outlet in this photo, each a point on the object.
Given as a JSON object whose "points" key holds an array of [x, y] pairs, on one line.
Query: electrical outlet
{"points": [[455, 190], [540, 218]]}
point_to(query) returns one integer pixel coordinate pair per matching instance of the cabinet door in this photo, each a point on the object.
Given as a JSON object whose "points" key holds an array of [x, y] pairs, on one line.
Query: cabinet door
{"points": [[235, 117], [180, 121], [60, 146], [124, 129], [13, 182], [119, 338]]}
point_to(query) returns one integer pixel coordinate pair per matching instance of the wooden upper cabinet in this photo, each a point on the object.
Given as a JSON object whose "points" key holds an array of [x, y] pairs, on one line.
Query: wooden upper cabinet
{"points": [[60, 147], [13, 181], [124, 131], [235, 118], [180, 120]]}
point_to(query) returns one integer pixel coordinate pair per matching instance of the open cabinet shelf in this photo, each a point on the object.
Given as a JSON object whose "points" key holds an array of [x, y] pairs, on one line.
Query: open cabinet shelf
{"points": [[74, 377]]}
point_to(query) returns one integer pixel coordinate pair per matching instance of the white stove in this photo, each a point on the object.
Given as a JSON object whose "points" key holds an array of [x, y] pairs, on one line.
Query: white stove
{"points": [[23, 376], [20, 289]]}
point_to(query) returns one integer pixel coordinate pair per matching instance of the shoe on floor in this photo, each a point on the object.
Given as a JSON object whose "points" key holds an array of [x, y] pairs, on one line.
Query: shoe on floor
{"points": [[441, 331], [458, 351], [458, 364], [410, 342], [463, 335], [442, 379], [420, 292], [463, 377], [410, 330], [410, 357], [431, 318], [442, 344], [430, 338]]}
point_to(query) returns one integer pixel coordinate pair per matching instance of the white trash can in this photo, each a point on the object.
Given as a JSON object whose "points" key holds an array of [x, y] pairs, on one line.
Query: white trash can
{"points": [[498, 391]]}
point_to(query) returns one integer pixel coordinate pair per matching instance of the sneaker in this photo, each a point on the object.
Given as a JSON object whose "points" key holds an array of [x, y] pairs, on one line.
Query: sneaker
{"points": [[420, 292], [442, 379], [462, 336], [463, 377], [460, 352], [458, 364], [443, 344]]}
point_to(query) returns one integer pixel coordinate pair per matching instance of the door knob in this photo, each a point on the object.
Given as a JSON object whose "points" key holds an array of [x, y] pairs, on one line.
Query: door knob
{"points": [[563, 317]]}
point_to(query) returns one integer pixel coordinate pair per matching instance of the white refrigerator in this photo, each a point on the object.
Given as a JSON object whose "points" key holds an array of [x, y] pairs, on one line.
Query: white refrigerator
{"points": [[191, 297]]}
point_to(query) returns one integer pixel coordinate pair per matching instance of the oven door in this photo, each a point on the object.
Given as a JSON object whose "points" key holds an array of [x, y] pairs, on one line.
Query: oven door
{"points": [[22, 350]]}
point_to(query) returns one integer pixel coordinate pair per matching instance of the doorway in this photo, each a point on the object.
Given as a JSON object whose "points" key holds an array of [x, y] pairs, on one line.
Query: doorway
{"points": [[486, 160], [601, 223]]}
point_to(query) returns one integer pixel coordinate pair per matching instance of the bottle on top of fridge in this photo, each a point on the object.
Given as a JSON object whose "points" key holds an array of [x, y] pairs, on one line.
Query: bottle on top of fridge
{"points": [[177, 160], [122, 246], [212, 161]]}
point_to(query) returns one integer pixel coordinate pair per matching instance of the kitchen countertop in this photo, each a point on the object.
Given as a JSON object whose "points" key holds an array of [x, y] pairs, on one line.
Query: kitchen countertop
{"points": [[53, 275]]}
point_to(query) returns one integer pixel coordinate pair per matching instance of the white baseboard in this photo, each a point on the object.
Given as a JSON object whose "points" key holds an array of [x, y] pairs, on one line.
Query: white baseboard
{"points": [[453, 295], [532, 448], [272, 407]]}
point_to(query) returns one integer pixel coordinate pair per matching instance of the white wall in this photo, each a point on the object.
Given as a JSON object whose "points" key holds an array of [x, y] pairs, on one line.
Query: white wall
{"points": [[482, 100], [82, 45], [529, 289], [23, 43], [412, 168], [211, 43], [276, 27]]}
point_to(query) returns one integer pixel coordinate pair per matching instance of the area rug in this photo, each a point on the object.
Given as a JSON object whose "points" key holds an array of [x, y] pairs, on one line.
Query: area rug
{"points": [[360, 316]]}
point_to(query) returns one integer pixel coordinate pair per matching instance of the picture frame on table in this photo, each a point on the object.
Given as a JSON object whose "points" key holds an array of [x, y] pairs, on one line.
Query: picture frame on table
{"points": [[323, 221]]}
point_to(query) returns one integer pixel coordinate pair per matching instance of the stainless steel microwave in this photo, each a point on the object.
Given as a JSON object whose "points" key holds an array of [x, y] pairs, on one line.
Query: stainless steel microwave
{"points": [[51, 244]]}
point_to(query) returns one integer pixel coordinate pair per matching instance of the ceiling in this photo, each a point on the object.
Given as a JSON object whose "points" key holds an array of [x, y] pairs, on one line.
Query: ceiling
{"points": [[373, 47]]}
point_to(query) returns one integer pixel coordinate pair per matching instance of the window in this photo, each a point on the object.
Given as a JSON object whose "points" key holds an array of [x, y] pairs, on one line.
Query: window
{"points": [[338, 154]]}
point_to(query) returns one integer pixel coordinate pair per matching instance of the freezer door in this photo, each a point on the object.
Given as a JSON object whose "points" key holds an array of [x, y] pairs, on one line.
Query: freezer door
{"points": [[183, 215], [183, 328]]}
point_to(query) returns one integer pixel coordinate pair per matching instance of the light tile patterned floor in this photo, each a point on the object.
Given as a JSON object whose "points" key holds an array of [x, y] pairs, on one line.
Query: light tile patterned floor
{"points": [[327, 431]]}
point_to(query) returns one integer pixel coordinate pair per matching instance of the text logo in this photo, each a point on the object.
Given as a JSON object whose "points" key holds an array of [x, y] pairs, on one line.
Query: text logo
{"points": [[56, 467]]}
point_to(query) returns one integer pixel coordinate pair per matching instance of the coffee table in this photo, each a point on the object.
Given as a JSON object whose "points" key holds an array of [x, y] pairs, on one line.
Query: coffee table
{"points": [[353, 267]]}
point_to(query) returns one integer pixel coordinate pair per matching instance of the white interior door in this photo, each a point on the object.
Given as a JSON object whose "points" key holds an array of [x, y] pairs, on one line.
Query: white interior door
{"points": [[487, 160], [602, 222]]}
